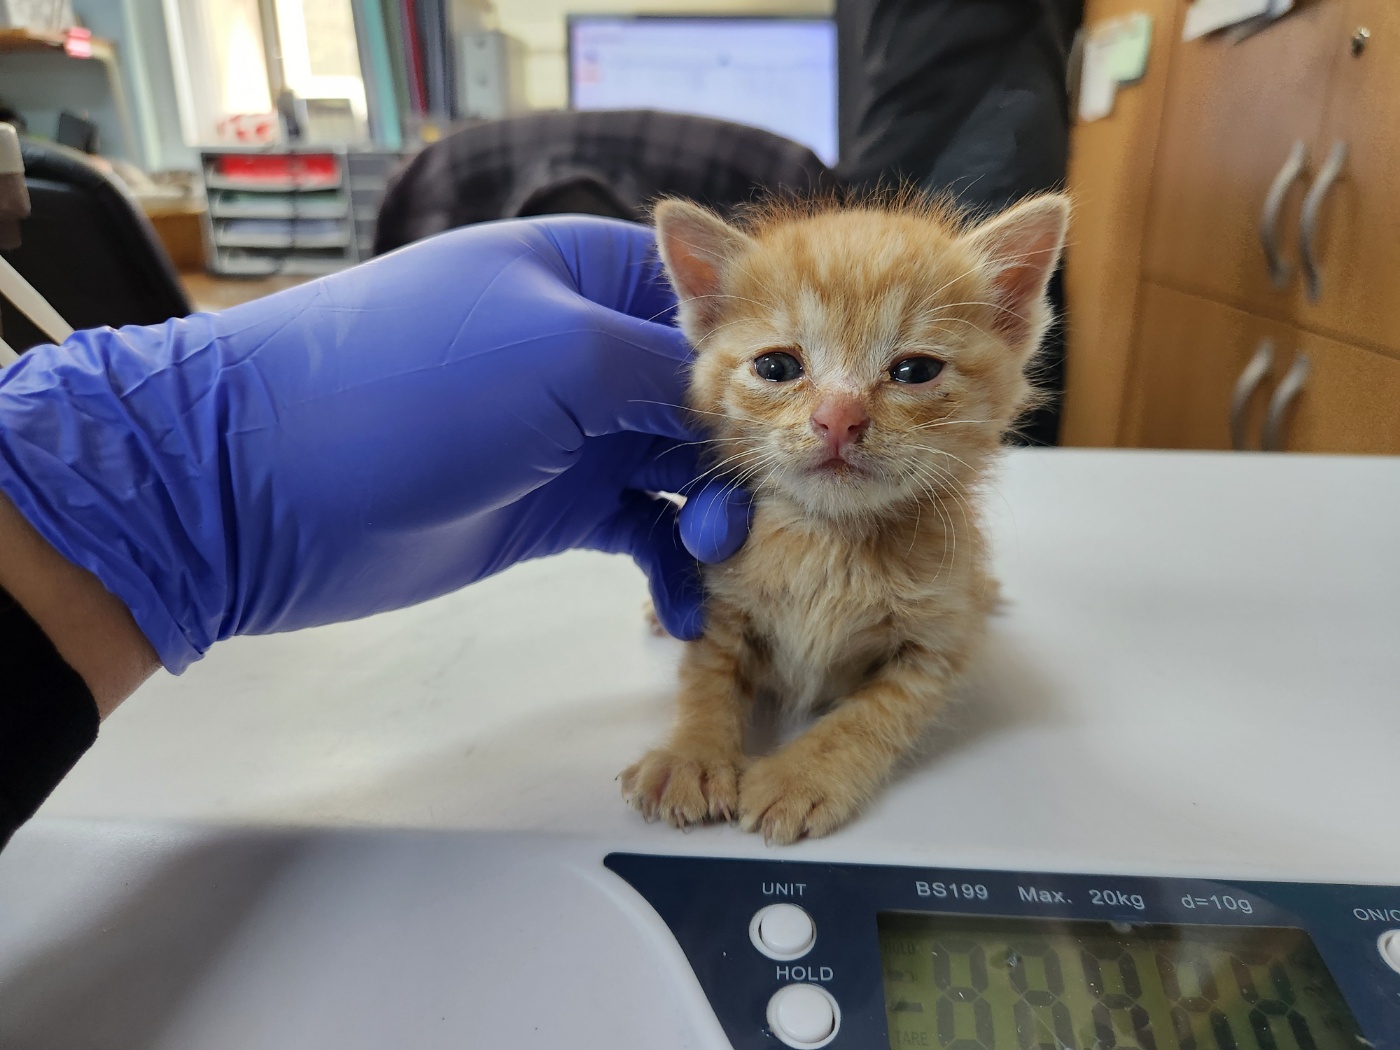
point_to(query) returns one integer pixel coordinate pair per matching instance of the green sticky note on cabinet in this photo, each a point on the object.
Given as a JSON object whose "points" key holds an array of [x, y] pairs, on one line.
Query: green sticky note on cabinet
{"points": [[1128, 61]]}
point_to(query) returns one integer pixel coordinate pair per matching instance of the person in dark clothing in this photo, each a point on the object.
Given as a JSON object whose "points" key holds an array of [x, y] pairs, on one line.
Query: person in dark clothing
{"points": [[966, 98]]}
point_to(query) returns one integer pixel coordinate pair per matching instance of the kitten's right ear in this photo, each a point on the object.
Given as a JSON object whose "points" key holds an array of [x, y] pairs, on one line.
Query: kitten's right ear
{"points": [[696, 245]]}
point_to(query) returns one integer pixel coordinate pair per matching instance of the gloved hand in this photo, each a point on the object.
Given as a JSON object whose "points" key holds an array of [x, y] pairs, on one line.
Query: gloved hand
{"points": [[375, 438]]}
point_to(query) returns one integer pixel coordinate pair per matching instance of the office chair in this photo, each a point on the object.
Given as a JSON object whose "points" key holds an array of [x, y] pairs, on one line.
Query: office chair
{"points": [[613, 163], [88, 249]]}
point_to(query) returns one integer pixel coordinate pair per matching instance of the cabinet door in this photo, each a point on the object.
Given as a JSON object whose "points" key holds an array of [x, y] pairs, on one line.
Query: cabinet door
{"points": [[1349, 401], [1191, 353], [1232, 115], [1110, 175], [1358, 229]]}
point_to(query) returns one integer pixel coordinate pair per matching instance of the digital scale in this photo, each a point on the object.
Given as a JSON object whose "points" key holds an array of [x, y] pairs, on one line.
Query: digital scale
{"points": [[1163, 816], [865, 956]]}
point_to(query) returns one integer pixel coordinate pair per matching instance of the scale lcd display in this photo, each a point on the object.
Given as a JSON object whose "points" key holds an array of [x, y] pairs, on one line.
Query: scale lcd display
{"points": [[956, 982]]}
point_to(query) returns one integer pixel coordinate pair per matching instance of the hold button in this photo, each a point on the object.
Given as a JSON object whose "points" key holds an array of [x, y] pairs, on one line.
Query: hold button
{"points": [[803, 1016]]}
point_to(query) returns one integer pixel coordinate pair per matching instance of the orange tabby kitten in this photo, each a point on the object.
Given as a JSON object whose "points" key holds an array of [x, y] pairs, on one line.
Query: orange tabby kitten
{"points": [[856, 368]]}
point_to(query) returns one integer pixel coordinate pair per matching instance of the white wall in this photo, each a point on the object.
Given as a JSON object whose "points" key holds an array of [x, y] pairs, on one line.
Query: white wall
{"points": [[540, 25]]}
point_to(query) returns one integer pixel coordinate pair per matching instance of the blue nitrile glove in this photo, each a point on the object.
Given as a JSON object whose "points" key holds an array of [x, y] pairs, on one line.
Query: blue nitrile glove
{"points": [[374, 438]]}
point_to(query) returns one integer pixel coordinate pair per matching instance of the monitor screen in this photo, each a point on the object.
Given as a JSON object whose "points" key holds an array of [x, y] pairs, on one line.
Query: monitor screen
{"points": [[773, 73]]}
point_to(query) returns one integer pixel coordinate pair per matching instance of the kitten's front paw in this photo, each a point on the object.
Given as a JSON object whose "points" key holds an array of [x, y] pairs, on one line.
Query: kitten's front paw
{"points": [[787, 802], [682, 789]]}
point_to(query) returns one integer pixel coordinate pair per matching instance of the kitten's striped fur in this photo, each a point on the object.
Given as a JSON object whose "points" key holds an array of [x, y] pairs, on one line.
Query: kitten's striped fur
{"points": [[863, 589]]}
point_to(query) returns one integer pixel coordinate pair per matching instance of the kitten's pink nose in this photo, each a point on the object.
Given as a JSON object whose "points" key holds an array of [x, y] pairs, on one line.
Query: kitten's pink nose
{"points": [[840, 421]]}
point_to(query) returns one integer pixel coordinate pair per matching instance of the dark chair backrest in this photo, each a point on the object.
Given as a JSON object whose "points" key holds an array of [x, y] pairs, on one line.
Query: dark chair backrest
{"points": [[88, 249], [600, 162]]}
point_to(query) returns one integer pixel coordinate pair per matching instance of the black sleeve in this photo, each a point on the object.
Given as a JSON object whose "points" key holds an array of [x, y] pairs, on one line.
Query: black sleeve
{"points": [[48, 717]]}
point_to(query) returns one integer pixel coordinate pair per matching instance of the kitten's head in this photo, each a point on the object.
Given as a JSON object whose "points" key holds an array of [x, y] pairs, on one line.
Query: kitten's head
{"points": [[858, 358]]}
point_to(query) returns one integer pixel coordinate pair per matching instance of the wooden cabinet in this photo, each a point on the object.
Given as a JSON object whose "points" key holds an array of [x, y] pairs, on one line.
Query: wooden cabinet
{"points": [[1189, 358], [1233, 114], [1110, 171], [1349, 402], [1193, 358], [1358, 234], [1200, 298]]}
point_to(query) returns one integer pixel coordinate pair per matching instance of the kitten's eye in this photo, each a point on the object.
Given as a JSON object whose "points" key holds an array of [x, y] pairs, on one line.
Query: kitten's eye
{"points": [[916, 370], [777, 367]]}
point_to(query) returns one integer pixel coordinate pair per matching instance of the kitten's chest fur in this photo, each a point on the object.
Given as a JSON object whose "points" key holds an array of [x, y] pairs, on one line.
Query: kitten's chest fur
{"points": [[817, 608]]}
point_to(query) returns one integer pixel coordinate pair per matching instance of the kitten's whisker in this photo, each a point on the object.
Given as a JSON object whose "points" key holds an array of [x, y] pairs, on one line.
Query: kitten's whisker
{"points": [[772, 456], [942, 452], [978, 265], [949, 532], [1000, 308], [719, 467], [765, 456], [743, 476], [653, 318], [688, 444], [931, 484], [981, 264], [940, 324], [722, 295], [701, 411], [950, 423], [956, 488], [717, 329], [714, 470], [958, 494]]}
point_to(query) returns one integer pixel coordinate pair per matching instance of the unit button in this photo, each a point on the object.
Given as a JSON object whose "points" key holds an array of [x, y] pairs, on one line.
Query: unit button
{"points": [[783, 931], [803, 1016], [1389, 945]]}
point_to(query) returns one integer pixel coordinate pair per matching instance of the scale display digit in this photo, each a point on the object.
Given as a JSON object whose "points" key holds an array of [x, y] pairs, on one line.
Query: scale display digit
{"points": [[955, 982]]}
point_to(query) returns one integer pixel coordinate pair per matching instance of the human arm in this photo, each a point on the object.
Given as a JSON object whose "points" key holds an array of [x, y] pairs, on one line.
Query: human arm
{"points": [[359, 444], [90, 628]]}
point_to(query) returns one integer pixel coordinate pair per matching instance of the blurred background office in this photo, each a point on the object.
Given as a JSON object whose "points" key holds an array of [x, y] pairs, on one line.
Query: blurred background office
{"points": [[1229, 272]]}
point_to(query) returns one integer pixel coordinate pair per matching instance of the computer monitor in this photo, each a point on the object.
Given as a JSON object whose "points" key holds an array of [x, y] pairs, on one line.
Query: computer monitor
{"points": [[773, 73]]}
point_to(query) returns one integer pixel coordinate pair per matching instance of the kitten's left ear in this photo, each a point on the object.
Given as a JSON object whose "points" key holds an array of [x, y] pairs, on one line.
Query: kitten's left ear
{"points": [[1020, 248]]}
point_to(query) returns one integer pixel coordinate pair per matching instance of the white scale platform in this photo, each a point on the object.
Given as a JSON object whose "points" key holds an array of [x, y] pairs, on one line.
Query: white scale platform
{"points": [[390, 833]]}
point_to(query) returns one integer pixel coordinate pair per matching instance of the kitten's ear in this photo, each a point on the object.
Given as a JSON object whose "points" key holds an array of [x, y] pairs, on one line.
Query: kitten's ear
{"points": [[696, 245], [1020, 248]]}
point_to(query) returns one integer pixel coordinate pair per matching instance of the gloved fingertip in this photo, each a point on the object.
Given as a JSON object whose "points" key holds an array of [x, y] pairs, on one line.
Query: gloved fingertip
{"points": [[682, 616], [648, 529], [715, 521]]}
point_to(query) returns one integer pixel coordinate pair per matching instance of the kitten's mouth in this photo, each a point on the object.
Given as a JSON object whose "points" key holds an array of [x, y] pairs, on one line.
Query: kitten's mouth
{"points": [[839, 466]]}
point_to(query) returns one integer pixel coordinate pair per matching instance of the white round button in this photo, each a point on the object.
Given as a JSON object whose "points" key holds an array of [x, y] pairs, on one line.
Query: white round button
{"points": [[803, 1016], [783, 931], [1389, 945]]}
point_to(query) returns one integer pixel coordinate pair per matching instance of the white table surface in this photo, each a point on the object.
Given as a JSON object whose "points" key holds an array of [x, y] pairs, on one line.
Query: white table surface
{"points": [[1198, 673]]}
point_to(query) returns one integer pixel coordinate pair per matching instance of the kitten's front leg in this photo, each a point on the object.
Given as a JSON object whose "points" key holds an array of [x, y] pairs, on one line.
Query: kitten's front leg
{"points": [[818, 781], [695, 777]]}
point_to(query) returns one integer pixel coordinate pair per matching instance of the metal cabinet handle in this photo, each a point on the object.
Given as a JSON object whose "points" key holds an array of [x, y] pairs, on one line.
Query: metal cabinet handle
{"points": [[1279, 269], [1245, 386], [1288, 389], [1312, 204]]}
